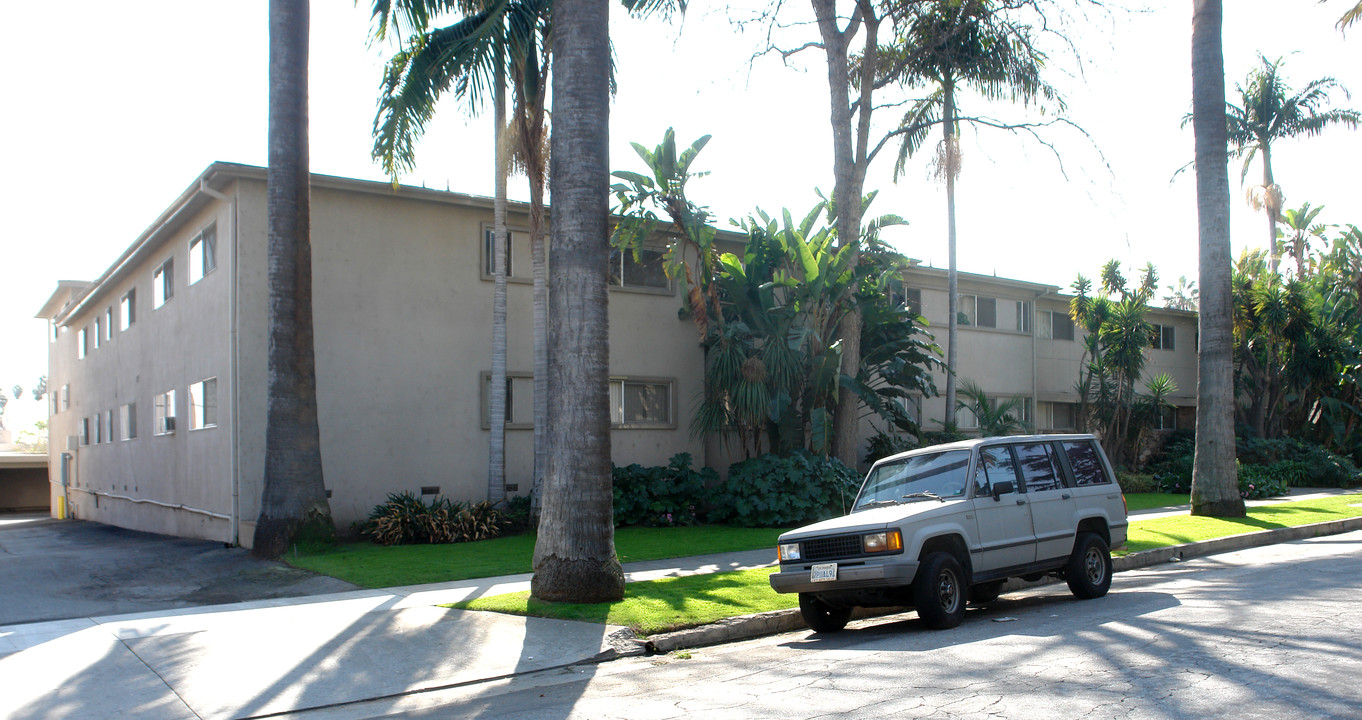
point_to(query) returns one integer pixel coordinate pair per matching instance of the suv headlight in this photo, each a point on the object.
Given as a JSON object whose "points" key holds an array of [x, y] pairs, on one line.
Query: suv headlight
{"points": [[887, 541], [789, 552]]}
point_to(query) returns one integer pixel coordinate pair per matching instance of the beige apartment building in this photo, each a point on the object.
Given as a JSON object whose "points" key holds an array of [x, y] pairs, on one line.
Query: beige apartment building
{"points": [[158, 367]]}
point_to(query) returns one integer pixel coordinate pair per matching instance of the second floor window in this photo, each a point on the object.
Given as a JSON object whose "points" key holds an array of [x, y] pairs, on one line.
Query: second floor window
{"points": [[163, 283], [203, 251], [1162, 337], [646, 271], [127, 307]]}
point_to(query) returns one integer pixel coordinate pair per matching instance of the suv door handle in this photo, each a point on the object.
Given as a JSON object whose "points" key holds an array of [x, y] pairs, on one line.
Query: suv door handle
{"points": [[1065, 496], [1021, 501]]}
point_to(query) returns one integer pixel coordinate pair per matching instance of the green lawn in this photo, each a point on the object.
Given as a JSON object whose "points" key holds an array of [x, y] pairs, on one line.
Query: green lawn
{"points": [[1148, 501], [1161, 532], [662, 605], [376, 566], [658, 605]]}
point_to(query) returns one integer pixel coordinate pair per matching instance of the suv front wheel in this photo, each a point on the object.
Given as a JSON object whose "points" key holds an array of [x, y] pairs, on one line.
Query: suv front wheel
{"points": [[1088, 571], [939, 591], [820, 616]]}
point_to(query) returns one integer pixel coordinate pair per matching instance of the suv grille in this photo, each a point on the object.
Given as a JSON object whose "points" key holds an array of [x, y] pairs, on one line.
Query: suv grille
{"points": [[831, 547]]}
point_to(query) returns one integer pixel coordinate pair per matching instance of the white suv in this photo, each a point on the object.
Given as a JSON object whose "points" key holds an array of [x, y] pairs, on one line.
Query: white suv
{"points": [[937, 527]]}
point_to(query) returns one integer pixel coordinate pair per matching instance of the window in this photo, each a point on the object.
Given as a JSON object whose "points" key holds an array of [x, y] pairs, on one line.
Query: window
{"points": [[203, 254], [1087, 466], [1054, 325], [108, 426], [56, 403], [634, 403], [647, 271], [489, 237], [910, 298], [1063, 416], [987, 312], [99, 330], [66, 397], [964, 310], [84, 431], [99, 428], [56, 330], [995, 465], [108, 323], [1162, 337], [165, 413], [82, 343], [163, 283], [127, 421], [1021, 320], [1038, 466], [519, 400], [965, 419], [127, 307], [203, 404]]}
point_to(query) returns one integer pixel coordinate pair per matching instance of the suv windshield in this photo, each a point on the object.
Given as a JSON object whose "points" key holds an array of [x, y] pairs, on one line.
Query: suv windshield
{"points": [[935, 475]]}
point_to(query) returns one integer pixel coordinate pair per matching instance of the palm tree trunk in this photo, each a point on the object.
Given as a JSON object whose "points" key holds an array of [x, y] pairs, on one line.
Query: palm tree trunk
{"points": [[541, 333], [952, 277], [574, 554], [1215, 484], [293, 502], [496, 446], [1270, 208]]}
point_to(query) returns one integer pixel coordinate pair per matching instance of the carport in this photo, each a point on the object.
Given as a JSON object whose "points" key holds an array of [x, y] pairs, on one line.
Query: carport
{"points": [[23, 483]]}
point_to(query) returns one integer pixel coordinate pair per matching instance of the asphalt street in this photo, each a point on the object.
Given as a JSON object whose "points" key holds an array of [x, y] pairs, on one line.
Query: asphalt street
{"points": [[1270, 632]]}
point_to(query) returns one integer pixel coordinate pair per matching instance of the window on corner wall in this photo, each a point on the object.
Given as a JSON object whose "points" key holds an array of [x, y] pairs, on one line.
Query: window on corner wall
{"points": [[163, 283], [644, 271], [82, 341], [203, 404], [164, 413], [203, 254], [127, 307]]}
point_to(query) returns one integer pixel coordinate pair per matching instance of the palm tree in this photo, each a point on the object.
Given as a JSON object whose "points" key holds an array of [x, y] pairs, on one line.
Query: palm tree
{"points": [[955, 44], [467, 58], [1303, 229], [1215, 484], [1269, 111], [293, 503], [574, 553], [1182, 297]]}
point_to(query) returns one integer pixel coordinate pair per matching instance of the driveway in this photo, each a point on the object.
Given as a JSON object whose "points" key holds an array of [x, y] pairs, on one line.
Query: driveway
{"points": [[59, 569]]}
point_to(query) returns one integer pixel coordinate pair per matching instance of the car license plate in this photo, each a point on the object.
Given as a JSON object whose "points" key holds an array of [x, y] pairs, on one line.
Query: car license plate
{"points": [[823, 572]]}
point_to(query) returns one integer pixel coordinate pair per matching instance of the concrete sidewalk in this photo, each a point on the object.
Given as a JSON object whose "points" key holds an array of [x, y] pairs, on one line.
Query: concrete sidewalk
{"points": [[272, 656]]}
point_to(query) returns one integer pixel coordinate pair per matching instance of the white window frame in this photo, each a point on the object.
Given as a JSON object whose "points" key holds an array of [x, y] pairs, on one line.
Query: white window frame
{"points": [[164, 414], [163, 283], [524, 396], [1164, 338], [617, 400], [84, 431], [203, 404], [66, 396], [99, 330], [127, 309], [83, 343], [127, 422], [203, 254], [108, 323]]}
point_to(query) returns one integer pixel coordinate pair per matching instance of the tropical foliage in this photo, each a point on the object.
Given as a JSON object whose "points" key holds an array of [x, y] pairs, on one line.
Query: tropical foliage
{"points": [[995, 416], [785, 491]]}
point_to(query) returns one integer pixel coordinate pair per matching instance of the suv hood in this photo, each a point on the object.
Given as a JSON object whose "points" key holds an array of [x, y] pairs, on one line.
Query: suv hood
{"points": [[875, 518]]}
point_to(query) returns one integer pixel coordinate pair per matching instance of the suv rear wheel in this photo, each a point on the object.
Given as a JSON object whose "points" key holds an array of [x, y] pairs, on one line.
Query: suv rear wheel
{"points": [[1088, 571], [939, 591], [820, 616]]}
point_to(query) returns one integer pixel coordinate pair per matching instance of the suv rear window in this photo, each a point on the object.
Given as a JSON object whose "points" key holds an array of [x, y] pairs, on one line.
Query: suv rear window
{"points": [[1086, 465], [1038, 467]]}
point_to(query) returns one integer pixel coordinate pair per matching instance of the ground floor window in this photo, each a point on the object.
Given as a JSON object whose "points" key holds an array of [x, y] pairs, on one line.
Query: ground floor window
{"points": [[203, 404], [635, 403]]}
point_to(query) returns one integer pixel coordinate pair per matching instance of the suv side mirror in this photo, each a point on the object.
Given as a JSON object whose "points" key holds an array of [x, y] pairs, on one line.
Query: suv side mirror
{"points": [[1002, 488]]}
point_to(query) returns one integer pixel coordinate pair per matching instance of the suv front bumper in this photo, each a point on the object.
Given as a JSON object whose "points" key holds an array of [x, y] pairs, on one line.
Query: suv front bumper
{"points": [[794, 577]]}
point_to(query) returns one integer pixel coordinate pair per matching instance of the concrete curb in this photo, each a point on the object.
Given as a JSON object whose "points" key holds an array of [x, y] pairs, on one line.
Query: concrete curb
{"points": [[747, 627]]}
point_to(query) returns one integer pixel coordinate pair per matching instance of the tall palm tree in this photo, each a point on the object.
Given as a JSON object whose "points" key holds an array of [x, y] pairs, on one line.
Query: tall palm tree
{"points": [[293, 503], [1269, 111], [959, 44], [574, 553], [467, 59], [1215, 484]]}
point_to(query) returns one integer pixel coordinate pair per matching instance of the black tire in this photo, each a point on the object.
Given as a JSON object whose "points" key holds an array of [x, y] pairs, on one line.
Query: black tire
{"points": [[820, 616], [1088, 571], [985, 593], [939, 591]]}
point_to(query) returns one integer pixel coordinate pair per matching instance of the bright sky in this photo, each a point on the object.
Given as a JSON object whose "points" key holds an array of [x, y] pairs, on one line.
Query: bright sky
{"points": [[115, 108]]}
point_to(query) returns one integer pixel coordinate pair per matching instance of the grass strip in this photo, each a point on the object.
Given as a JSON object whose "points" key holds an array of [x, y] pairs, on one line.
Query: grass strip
{"points": [[377, 566], [1162, 532], [1149, 501], [656, 606]]}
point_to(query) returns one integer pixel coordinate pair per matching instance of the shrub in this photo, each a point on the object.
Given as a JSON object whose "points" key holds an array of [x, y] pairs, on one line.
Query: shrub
{"points": [[405, 519], [773, 491], [882, 445], [1256, 482], [660, 495], [1137, 482], [1299, 463], [941, 437], [517, 514]]}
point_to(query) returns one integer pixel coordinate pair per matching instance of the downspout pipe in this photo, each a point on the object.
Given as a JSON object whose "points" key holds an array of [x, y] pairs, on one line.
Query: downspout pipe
{"points": [[233, 358]]}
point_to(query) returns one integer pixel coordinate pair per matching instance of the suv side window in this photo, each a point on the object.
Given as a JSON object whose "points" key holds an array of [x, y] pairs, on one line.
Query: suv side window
{"points": [[1038, 466], [1086, 464], [995, 465]]}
